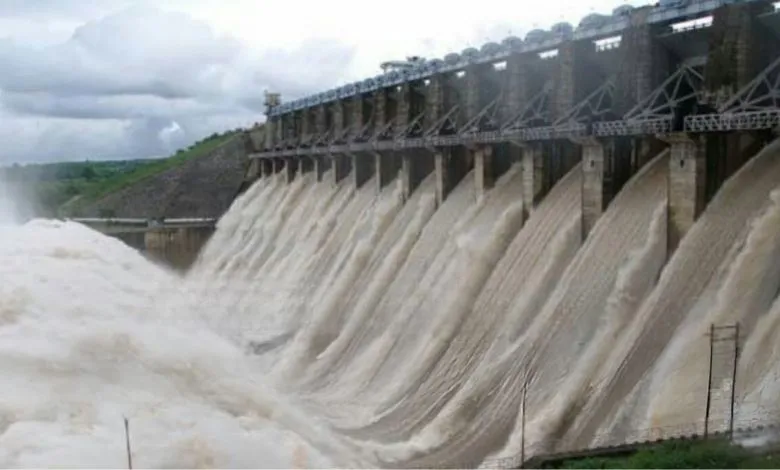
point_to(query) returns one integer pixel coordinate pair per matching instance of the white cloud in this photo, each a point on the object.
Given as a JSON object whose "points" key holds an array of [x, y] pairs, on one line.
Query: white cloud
{"points": [[84, 79]]}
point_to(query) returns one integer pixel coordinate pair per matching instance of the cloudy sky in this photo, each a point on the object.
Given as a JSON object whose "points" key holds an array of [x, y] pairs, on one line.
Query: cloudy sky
{"points": [[108, 79]]}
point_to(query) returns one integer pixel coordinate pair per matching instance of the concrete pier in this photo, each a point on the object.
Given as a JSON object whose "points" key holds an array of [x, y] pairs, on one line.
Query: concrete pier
{"points": [[321, 165], [535, 176], [362, 169], [341, 165], [415, 166], [483, 170], [595, 184], [386, 165], [555, 99], [686, 186], [291, 169]]}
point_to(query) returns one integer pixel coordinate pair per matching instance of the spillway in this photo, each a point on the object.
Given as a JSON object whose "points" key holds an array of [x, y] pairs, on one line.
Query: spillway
{"points": [[329, 326]]}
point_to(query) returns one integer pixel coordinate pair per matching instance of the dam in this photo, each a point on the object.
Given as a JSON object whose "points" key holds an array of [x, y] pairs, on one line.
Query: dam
{"points": [[562, 242]]}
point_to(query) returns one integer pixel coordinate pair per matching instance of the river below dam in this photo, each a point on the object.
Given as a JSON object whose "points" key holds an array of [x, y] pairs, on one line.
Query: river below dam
{"points": [[324, 326]]}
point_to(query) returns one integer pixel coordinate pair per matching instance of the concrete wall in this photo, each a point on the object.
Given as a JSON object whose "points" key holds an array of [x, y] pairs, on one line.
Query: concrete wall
{"points": [[176, 247]]}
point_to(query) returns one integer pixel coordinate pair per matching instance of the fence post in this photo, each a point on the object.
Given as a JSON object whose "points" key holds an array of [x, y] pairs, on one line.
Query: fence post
{"points": [[522, 423], [734, 380], [709, 382], [127, 442]]}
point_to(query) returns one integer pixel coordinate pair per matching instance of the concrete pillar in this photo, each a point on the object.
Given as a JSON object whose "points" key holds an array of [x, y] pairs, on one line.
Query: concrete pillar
{"points": [[362, 169], [380, 108], [415, 166], [687, 186], [386, 166], [574, 76], [357, 118], [291, 168], [306, 165], [450, 167], [338, 117], [271, 126], [740, 47], [403, 105], [266, 167], [321, 165], [534, 175], [341, 165], [443, 181], [436, 98], [594, 183], [483, 170], [320, 120]]}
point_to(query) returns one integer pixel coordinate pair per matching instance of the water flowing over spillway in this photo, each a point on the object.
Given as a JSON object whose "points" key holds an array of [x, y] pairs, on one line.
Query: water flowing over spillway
{"points": [[328, 326]]}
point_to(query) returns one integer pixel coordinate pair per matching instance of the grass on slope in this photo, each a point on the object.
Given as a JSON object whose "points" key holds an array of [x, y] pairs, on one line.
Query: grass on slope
{"points": [[121, 181], [682, 454]]}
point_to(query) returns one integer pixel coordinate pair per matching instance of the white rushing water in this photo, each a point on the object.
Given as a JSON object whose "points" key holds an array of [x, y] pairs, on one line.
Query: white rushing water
{"points": [[324, 326]]}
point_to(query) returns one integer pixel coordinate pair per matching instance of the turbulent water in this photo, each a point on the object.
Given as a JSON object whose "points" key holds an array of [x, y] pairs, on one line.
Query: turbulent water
{"points": [[324, 326]]}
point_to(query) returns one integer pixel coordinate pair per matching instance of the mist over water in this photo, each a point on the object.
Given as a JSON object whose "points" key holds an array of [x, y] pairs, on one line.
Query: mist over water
{"points": [[328, 326]]}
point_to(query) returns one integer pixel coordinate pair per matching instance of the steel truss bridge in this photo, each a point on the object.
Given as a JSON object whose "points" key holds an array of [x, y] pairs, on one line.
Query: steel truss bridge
{"points": [[754, 107], [681, 103], [593, 27]]}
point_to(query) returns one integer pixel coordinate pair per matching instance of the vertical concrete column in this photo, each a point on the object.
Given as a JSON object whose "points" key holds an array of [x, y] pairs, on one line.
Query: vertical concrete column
{"points": [[444, 177], [483, 169], [298, 127], [408, 179], [687, 186], [403, 106], [535, 176], [288, 128], [291, 169], [340, 164], [435, 98], [307, 123], [441, 167], [321, 165], [739, 49], [320, 120], [357, 119], [362, 169], [273, 131], [338, 117], [386, 166], [594, 194], [450, 166], [415, 166], [574, 76], [380, 108], [474, 99]]}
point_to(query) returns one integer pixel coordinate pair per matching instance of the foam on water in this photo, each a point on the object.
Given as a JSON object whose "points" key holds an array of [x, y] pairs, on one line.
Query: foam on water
{"points": [[82, 344], [324, 325]]}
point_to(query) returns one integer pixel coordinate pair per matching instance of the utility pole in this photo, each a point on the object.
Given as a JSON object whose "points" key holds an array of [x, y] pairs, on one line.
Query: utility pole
{"points": [[127, 443], [522, 417]]}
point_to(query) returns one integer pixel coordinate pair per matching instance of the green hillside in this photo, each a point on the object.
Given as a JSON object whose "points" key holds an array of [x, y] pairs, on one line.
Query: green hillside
{"points": [[53, 189]]}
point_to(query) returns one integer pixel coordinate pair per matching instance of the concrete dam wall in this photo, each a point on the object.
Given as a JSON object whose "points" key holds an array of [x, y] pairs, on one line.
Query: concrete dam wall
{"points": [[463, 267]]}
